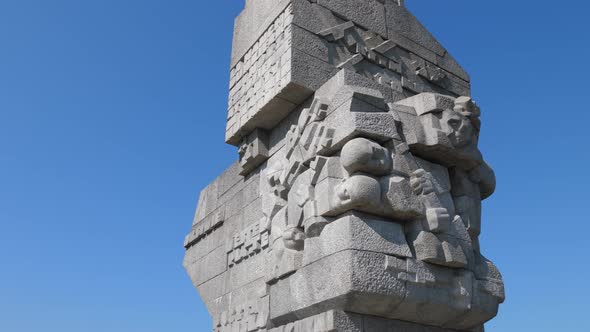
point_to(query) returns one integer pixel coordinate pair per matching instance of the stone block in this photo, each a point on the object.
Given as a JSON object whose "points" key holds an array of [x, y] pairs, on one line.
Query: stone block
{"points": [[332, 169], [207, 201], [329, 321], [341, 321], [361, 286], [213, 288], [252, 22], [268, 88], [253, 151], [400, 21], [311, 44], [438, 220], [454, 255], [312, 17], [247, 310], [282, 262], [229, 179], [247, 271], [427, 102], [484, 306], [376, 324], [347, 84], [369, 14], [398, 200], [360, 232], [429, 248], [441, 293], [379, 126]]}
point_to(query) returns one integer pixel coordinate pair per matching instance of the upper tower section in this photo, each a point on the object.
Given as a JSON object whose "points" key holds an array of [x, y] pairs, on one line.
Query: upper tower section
{"points": [[284, 50]]}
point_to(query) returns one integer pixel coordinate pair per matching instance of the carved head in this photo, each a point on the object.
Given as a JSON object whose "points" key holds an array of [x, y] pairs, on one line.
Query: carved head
{"points": [[468, 108], [363, 155], [358, 190], [458, 128]]}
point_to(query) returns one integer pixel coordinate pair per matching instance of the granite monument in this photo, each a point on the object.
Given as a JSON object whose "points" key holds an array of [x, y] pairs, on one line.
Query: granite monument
{"points": [[356, 201]]}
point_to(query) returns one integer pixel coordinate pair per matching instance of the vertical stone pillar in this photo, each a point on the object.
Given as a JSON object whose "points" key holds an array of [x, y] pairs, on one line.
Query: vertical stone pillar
{"points": [[356, 201]]}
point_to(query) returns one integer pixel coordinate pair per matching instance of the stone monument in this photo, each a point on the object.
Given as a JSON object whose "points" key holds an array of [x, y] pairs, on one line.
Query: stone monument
{"points": [[356, 201]]}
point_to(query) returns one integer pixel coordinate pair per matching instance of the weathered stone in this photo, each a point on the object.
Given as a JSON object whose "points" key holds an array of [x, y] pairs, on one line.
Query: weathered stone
{"points": [[285, 50], [429, 248], [443, 135], [369, 14], [359, 232], [356, 202], [363, 155], [253, 151]]}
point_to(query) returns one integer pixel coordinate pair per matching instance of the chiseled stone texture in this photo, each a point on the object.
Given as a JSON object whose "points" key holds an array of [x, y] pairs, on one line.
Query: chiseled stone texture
{"points": [[333, 320], [285, 50], [356, 201]]}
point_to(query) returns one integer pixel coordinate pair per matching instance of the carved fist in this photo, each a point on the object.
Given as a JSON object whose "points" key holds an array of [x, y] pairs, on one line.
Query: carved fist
{"points": [[438, 220], [293, 239], [421, 182]]}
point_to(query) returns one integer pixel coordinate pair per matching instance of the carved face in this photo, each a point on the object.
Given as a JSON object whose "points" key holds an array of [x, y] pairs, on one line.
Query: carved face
{"points": [[343, 194], [458, 128], [358, 190], [363, 155]]}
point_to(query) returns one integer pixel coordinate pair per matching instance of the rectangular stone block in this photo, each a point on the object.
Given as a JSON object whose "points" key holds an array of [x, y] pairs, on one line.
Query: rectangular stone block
{"points": [[329, 321], [312, 17], [213, 288], [207, 201], [253, 151], [252, 22], [361, 280], [360, 232], [375, 324], [360, 122], [261, 68], [210, 266], [369, 13]]}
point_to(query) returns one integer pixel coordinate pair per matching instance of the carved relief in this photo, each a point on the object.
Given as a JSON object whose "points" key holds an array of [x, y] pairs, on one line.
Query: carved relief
{"points": [[385, 180], [447, 130], [382, 60], [203, 228], [261, 93], [291, 205], [371, 195], [448, 133], [261, 74], [250, 317], [247, 243], [253, 151]]}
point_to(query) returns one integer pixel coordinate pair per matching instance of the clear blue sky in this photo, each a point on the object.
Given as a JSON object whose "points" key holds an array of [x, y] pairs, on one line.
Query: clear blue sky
{"points": [[112, 116]]}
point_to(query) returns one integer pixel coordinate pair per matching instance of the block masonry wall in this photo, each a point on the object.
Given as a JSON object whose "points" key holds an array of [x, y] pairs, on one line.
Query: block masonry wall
{"points": [[279, 59]]}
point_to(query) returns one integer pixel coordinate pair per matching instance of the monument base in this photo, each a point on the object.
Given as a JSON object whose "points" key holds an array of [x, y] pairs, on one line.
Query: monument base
{"points": [[340, 321]]}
